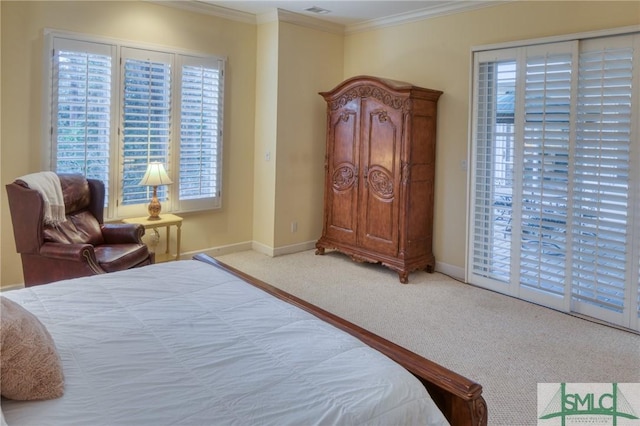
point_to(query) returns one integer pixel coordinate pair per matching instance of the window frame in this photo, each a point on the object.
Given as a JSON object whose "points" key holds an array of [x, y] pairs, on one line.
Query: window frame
{"points": [[113, 208]]}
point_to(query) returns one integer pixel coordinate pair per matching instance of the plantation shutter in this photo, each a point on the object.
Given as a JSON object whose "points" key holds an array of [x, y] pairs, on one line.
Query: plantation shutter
{"points": [[200, 131], [146, 121], [602, 208], [545, 172], [81, 108], [493, 161], [574, 213]]}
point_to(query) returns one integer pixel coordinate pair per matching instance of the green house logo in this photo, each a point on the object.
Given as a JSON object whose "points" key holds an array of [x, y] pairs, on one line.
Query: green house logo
{"points": [[590, 403]]}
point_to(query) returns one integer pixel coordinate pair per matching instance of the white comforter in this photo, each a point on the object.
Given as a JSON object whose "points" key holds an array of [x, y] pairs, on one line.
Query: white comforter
{"points": [[185, 343]]}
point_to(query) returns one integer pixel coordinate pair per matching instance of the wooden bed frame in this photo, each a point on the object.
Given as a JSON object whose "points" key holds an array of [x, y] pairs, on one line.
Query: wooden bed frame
{"points": [[459, 398]]}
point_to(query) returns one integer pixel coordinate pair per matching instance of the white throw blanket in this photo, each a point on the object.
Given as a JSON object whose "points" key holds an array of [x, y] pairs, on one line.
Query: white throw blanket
{"points": [[48, 184]]}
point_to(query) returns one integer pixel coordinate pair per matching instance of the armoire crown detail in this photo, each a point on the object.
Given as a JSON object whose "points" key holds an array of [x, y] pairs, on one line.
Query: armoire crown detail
{"points": [[380, 172], [370, 91]]}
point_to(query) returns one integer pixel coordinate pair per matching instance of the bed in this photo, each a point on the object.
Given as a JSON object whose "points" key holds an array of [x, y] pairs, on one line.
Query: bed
{"points": [[197, 342]]}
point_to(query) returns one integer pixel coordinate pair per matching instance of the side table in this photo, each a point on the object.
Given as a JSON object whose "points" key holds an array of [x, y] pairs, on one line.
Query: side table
{"points": [[166, 220]]}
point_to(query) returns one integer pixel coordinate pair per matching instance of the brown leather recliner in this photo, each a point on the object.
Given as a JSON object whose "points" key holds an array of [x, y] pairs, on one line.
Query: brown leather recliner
{"points": [[82, 245]]}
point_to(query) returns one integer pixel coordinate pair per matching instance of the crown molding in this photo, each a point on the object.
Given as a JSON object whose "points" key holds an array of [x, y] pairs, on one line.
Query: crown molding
{"points": [[208, 9], [282, 15], [422, 14]]}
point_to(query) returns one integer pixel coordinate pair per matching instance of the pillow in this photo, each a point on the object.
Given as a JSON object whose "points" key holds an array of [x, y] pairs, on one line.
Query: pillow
{"points": [[30, 366]]}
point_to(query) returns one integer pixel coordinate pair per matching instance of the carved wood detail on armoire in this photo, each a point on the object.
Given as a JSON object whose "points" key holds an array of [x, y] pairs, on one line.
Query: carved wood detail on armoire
{"points": [[379, 173]]}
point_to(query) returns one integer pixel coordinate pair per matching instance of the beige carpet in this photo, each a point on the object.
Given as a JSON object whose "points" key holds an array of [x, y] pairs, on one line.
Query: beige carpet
{"points": [[506, 345]]}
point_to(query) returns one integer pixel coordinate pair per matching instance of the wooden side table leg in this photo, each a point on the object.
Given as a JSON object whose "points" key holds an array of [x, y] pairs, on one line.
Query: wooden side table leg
{"points": [[178, 237], [168, 250]]}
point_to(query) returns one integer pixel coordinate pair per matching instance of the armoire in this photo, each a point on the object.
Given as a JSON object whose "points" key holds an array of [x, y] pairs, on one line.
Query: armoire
{"points": [[379, 173]]}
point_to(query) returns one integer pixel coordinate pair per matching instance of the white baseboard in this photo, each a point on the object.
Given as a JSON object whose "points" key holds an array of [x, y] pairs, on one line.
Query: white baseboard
{"points": [[279, 251], [252, 245], [219, 250], [455, 272], [262, 248]]}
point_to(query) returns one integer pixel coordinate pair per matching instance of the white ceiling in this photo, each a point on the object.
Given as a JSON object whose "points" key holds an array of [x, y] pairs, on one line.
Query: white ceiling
{"points": [[349, 13]]}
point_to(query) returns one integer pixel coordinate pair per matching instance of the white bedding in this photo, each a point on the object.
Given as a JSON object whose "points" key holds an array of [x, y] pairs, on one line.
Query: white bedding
{"points": [[185, 343]]}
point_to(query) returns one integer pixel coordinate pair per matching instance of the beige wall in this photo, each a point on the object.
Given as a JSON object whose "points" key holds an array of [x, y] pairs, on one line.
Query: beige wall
{"points": [[22, 39], [436, 53], [310, 61], [265, 134], [274, 72], [294, 64]]}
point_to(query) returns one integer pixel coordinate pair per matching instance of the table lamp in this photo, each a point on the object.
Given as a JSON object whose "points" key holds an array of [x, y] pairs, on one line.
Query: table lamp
{"points": [[155, 175]]}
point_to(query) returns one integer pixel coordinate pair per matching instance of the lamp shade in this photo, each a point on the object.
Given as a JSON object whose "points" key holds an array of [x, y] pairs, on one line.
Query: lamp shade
{"points": [[155, 175]]}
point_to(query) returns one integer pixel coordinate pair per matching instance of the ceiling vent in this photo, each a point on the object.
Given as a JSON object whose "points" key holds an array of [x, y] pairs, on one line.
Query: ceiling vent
{"points": [[318, 10]]}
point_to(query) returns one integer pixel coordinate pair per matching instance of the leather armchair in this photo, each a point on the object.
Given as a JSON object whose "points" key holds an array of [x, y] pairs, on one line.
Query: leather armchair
{"points": [[82, 245]]}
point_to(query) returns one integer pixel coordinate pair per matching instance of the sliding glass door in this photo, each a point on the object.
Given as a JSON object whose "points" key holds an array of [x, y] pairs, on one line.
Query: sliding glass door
{"points": [[555, 186]]}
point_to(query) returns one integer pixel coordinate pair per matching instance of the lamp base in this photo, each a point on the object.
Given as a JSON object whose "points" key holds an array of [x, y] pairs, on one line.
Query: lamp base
{"points": [[154, 206]]}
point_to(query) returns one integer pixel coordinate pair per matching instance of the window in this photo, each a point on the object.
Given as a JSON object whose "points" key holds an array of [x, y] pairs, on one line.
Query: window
{"points": [[554, 189], [82, 108], [114, 108]]}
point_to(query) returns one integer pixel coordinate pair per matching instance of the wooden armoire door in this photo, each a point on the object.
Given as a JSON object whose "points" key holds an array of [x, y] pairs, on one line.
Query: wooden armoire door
{"points": [[341, 201], [380, 145]]}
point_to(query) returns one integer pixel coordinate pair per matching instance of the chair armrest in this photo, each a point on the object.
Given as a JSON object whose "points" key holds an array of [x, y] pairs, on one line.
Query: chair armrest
{"points": [[81, 253], [122, 233], [74, 252]]}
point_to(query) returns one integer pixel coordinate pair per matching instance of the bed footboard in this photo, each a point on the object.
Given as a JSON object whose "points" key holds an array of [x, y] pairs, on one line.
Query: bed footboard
{"points": [[459, 398]]}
